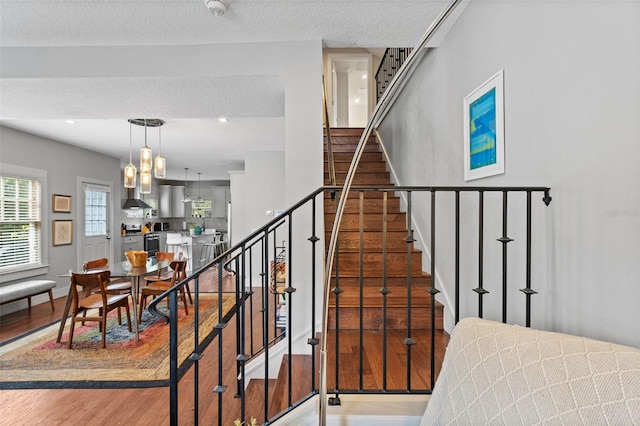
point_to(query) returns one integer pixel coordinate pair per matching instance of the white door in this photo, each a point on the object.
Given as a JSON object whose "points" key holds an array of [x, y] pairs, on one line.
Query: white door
{"points": [[96, 211]]}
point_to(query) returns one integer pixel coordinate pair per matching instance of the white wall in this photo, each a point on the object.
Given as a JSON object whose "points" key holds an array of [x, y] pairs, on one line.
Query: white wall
{"points": [[63, 163], [572, 122]]}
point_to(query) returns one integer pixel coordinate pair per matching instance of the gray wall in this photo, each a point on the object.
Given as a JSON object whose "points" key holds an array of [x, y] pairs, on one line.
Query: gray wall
{"points": [[572, 122], [63, 163]]}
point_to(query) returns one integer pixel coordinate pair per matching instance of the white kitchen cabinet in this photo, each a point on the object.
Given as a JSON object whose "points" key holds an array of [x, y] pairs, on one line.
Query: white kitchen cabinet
{"points": [[221, 197]]}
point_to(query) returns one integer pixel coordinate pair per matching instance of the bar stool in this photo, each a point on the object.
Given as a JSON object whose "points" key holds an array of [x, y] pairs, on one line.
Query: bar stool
{"points": [[174, 243], [208, 249]]}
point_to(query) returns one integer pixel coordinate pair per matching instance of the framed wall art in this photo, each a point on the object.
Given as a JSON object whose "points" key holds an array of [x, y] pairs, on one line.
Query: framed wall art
{"points": [[484, 129], [61, 203], [62, 232]]}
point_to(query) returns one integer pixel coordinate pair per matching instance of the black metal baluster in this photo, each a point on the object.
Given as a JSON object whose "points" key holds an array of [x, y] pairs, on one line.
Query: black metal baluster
{"points": [[433, 291], [527, 290], [173, 359], [361, 287], [251, 344], [480, 289], [409, 341], [290, 290], [313, 340], [220, 388], [504, 240], [196, 356], [457, 261], [265, 326], [335, 400], [384, 290]]}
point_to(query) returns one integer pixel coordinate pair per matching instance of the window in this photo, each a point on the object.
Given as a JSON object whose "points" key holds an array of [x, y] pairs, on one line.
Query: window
{"points": [[201, 208], [95, 211], [21, 218]]}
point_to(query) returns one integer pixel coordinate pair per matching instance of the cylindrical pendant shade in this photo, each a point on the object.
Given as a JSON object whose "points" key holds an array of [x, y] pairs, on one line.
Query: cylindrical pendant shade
{"points": [[146, 159], [145, 182], [130, 176], [160, 169]]}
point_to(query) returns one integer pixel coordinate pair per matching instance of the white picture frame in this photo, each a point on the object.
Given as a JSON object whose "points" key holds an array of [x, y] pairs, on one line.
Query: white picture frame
{"points": [[483, 118]]}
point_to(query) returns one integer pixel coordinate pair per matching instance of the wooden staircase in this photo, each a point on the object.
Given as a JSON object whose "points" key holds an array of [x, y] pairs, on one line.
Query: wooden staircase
{"points": [[372, 170]]}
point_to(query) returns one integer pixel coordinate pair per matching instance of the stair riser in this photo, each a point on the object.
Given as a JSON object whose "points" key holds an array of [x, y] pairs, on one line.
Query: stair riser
{"points": [[348, 264], [371, 297], [423, 282], [396, 319], [343, 167], [351, 222], [351, 148], [367, 157], [379, 178], [369, 206], [372, 241]]}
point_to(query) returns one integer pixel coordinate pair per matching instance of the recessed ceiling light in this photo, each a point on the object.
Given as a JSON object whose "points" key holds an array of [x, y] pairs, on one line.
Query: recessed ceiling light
{"points": [[364, 76], [357, 100], [69, 121], [223, 119]]}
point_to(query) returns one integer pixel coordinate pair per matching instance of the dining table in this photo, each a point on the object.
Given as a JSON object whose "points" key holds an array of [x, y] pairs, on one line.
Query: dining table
{"points": [[119, 270]]}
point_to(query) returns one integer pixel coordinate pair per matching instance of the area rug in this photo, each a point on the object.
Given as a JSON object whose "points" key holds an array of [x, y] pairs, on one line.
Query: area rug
{"points": [[37, 361]]}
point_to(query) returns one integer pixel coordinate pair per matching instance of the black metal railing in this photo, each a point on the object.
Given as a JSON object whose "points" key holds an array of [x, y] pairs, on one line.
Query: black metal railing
{"points": [[391, 62], [251, 260], [245, 269], [445, 200], [327, 134]]}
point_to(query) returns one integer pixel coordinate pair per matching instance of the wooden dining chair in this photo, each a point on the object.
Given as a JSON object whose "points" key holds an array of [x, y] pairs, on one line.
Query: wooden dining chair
{"points": [[156, 288], [163, 275], [95, 284], [115, 285]]}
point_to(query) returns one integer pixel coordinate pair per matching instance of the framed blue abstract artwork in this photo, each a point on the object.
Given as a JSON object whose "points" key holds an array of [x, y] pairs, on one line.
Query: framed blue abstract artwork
{"points": [[484, 129]]}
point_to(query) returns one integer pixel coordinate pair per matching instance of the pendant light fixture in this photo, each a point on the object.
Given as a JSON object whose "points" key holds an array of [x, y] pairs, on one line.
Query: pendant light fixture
{"points": [[199, 199], [186, 198], [146, 156], [160, 165], [130, 171]]}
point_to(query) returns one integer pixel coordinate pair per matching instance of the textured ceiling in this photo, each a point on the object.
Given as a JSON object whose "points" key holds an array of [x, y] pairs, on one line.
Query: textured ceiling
{"points": [[99, 99]]}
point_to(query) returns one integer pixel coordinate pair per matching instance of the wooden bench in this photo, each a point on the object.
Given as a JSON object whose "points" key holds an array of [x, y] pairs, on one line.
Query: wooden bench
{"points": [[26, 290]]}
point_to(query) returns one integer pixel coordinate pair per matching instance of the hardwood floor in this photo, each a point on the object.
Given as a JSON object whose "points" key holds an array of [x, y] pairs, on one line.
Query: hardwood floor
{"points": [[151, 406]]}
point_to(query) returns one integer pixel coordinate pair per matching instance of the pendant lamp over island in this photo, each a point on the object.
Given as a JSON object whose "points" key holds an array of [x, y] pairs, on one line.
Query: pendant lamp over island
{"points": [[186, 198], [146, 157]]}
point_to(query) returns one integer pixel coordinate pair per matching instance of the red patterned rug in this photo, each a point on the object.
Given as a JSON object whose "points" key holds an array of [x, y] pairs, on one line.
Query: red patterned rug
{"points": [[37, 361]]}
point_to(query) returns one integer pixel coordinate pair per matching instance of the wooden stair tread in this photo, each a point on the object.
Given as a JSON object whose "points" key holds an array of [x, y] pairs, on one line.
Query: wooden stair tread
{"points": [[254, 397], [300, 383]]}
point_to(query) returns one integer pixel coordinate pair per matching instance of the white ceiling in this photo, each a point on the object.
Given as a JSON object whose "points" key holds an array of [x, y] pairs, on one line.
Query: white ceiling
{"points": [[191, 102]]}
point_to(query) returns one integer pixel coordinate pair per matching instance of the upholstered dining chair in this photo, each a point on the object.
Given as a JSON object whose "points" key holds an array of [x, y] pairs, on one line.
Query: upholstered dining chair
{"points": [[115, 285], [94, 284], [156, 288]]}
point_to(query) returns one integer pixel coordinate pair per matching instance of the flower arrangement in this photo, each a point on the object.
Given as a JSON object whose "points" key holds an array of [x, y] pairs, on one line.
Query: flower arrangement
{"points": [[251, 422]]}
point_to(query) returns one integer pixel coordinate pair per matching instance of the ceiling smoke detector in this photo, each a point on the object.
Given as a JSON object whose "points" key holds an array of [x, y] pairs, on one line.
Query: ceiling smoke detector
{"points": [[217, 7]]}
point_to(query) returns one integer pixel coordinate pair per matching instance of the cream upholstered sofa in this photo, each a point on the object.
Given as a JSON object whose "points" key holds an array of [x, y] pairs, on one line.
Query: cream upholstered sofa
{"points": [[495, 373]]}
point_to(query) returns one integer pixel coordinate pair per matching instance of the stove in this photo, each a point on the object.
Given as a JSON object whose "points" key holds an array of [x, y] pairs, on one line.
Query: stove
{"points": [[151, 244]]}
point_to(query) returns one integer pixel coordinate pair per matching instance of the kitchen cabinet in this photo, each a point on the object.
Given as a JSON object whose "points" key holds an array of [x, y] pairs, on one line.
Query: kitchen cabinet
{"points": [[131, 242], [177, 206], [170, 201], [221, 197]]}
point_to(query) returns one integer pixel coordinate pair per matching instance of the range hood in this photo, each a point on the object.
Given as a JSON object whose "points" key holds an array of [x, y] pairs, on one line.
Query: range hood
{"points": [[134, 201]]}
